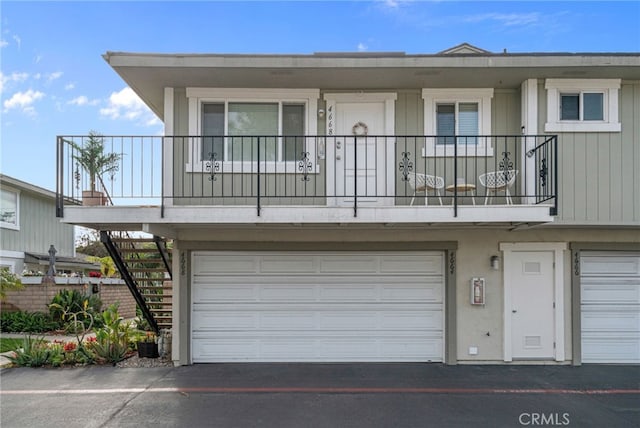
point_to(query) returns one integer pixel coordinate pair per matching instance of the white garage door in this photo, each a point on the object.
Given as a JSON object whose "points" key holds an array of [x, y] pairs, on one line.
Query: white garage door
{"points": [[305, 306], [610, 305]]}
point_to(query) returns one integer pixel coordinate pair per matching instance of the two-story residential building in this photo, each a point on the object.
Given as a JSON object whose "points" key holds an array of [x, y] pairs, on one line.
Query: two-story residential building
{"points": [[459, 207], [29, 227]]}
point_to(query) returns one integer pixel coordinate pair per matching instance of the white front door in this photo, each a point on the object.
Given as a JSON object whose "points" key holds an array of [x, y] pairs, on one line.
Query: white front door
{"points": [[531, 281], [360, 149]]}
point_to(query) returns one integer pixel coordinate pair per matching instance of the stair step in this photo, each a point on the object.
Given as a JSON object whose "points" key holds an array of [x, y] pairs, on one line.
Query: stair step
{"points": [[114, 239], [146, 270], [144, 260], [137, 250]]}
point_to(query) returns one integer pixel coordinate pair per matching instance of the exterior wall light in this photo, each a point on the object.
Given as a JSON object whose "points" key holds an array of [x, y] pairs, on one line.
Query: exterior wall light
{"points": [[320, 113], [495, 263]]}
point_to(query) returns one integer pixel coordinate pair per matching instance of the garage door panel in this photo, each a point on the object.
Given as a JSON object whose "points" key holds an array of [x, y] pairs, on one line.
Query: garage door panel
{"points": [[406, 264], [349, 265], [598, 349], [319, 307], [612, 320], [287, 265], [617, 290], [610, 309], [241, 320], [222, 264], [422, 291], [611, 265], [225, 293]]}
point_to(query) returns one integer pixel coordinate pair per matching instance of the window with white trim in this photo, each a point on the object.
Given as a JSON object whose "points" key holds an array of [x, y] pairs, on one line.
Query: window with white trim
{"points": [[228, 123], [582, 105], [457, 117], [9, 204]]}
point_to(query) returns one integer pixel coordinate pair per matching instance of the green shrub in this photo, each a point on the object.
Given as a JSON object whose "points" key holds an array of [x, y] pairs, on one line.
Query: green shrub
{"points": [[8, 281], [27, 322], [73, 302], [34, 353], [113, 339]]}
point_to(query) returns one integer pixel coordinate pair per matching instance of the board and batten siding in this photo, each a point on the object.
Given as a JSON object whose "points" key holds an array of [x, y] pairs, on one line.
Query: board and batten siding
{"points": [[599, 172], [39, 228]]}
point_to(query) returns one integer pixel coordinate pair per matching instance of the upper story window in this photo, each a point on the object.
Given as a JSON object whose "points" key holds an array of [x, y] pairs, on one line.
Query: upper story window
{"points": [[582, 105], [241, 120], [457, 117], [9, 205], [231, 123]]}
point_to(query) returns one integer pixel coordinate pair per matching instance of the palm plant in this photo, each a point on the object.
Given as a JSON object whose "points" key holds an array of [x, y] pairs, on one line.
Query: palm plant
{"points": [[94, 160]]}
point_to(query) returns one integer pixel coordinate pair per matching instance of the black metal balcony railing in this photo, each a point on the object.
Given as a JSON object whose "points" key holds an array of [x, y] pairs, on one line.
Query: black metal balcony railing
{"points": [[345, 170]]}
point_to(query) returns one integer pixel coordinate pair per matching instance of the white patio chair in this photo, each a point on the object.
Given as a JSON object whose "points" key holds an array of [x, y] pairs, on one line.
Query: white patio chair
{"points": [[498, 181], [423, 183]]}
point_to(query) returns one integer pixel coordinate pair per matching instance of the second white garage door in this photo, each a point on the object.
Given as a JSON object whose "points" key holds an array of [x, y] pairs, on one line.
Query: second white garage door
{"points": [[610, 305], [305, 306]]}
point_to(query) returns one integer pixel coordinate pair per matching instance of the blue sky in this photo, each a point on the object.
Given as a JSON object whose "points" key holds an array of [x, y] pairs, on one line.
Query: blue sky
{"points": [[55, 82]]}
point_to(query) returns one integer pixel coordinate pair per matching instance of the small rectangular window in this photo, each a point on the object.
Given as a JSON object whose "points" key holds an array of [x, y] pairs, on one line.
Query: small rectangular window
{"points": [[445, 123], [593, 106], [8, 208], [570, 107], [212, 131], [293, 131]]}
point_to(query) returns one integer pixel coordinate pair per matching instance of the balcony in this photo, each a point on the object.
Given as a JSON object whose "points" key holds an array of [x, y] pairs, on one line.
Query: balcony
{"points": [[311, 179]]}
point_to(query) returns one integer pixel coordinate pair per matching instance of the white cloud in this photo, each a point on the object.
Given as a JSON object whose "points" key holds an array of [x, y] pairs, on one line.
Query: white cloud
{"points": [[83, 101], [37, 59], [127, 105], [13, 77], [53, 76], [17, 40], [23, 101], [362, 47], [69, 86], [3, 43], [507, 19]]}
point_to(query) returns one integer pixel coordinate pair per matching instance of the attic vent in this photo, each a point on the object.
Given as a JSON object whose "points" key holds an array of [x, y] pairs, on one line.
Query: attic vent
{"points": [[464, 49]]}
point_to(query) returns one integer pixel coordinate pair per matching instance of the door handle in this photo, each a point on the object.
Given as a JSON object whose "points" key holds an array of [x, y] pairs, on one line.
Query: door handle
{"points": [[338, 157], [338, 144]]}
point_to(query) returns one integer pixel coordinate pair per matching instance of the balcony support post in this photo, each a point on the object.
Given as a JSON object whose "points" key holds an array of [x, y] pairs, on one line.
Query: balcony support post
{"points": [[355, 175], [258, 179], [455, 175]]}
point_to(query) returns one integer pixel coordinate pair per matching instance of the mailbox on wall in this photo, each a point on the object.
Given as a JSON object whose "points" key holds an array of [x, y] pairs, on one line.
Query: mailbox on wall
{"points": [[477, 291]]}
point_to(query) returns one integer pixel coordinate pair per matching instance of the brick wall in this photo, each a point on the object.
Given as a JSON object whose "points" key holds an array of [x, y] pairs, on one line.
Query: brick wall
{"points": [[37, 297]]}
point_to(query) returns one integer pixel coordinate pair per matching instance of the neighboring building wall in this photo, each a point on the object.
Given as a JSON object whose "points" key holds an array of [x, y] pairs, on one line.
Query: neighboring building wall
{"points": [[39, 228], [37, 297], [598, 177]]}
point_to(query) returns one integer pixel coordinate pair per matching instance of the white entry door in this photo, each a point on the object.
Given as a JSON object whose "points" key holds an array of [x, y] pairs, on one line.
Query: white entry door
{"points": [[360, 156], [530, 276]]}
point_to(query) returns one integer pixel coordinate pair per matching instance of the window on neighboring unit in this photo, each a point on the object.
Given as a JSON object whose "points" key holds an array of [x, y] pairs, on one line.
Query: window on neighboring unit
{"points": [[231, 125], [457, 117], [582, 105], [9, 202]]}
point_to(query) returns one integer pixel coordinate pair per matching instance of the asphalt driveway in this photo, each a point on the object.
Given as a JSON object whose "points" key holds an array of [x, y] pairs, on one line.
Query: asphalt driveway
{"points": [[322, 395]]}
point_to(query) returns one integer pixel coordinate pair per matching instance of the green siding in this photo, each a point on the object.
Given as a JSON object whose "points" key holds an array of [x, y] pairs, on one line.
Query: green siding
{"points": [[39, 228], [599, 172]]}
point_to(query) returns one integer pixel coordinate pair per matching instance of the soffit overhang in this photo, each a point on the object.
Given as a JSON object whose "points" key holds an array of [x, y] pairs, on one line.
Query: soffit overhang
{"points": [[149, 74]]}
